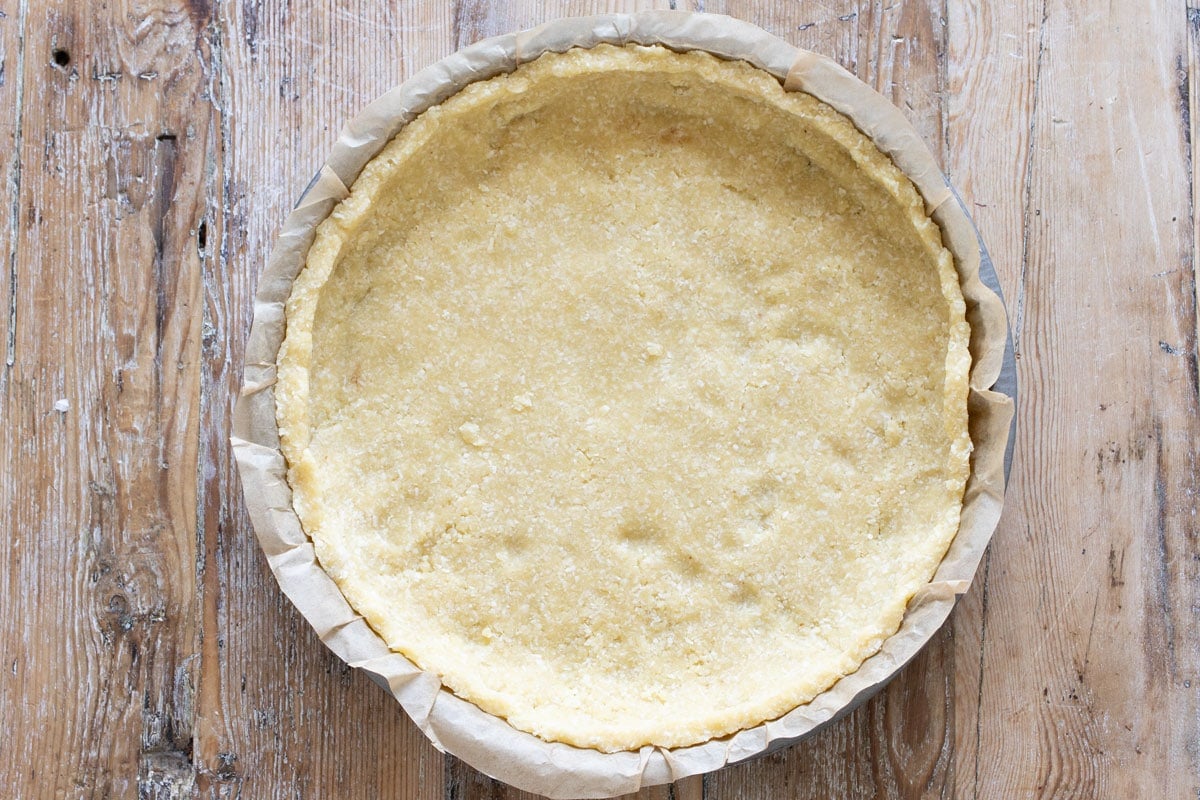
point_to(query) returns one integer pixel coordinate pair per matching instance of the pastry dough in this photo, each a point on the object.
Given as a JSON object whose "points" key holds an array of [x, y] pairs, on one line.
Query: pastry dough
{"points": [[627, 394]]}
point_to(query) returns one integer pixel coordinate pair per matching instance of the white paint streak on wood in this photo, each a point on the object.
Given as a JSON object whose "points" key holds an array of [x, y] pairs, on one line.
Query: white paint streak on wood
{"points": [[14, 36]]}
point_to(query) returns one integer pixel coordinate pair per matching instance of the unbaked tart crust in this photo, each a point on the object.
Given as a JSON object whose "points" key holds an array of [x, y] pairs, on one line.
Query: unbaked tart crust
{"points": [[627, 394]]}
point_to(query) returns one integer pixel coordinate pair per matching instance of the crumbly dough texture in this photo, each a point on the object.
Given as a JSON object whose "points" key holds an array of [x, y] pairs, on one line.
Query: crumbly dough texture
{"points": [[627, 393]]}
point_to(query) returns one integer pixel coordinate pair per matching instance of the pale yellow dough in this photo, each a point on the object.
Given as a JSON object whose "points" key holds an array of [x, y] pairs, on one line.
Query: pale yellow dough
{"points": [[627, 393]]}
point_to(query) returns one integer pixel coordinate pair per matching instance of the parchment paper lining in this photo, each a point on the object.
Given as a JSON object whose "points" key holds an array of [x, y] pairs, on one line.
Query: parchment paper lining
{"points": [[453, 725]]}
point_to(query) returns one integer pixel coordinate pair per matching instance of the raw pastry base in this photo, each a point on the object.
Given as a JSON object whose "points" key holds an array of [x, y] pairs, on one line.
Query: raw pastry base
{"points": [[627, 393]]}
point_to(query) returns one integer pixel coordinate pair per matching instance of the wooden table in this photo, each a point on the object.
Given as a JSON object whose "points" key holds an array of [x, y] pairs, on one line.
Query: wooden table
{"points": [[151, 149]]}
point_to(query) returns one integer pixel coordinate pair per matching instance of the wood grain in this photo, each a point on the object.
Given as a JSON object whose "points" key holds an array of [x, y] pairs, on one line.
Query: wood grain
{"points": [[992, 50], [151, 149], [899, 49], [101, 423], [1087, 576], [275, 700]]}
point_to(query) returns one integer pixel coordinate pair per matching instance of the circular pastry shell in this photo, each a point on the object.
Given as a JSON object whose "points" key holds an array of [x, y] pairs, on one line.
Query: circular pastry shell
{"points": [[456, 726]]}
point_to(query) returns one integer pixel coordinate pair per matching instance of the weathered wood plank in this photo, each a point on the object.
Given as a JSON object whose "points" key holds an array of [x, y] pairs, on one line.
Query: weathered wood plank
{"points": [[899, 744], [280, 716], [1190, 75], [98, 449], [13, 24], [1084, 687], [994, 52], [474, 20], [897, 43]]}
